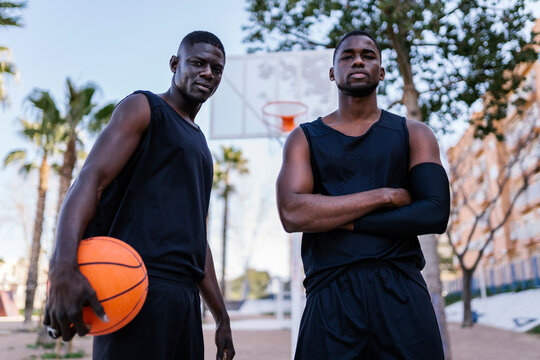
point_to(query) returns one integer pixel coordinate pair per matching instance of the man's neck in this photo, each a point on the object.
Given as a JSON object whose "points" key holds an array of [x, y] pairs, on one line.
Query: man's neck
{"points": [[185, 107], [358, 109]]}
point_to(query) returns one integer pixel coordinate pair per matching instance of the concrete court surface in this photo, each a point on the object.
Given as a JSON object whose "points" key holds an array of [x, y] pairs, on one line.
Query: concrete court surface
{"points": [[479, 343]]}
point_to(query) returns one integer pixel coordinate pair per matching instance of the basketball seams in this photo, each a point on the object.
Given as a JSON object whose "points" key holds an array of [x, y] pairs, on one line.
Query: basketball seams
{"points": [[125, 291], [110, 263], [119, 243], [120, 323]]}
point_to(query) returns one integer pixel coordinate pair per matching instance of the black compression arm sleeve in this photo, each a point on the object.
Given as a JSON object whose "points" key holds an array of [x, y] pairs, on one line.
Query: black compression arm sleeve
{"points": [[427, 214]]}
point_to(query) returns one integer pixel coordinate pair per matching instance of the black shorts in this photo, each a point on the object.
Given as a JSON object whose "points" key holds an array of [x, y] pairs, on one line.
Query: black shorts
{"points": [[167, 327], [371, 311]]}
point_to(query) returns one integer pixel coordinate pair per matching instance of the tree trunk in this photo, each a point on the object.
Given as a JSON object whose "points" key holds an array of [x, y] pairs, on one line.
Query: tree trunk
{"points": [[33, 269], [224, 244], [410, 95], [66, 172], [433, 280], [410, 100], [467, 297]]}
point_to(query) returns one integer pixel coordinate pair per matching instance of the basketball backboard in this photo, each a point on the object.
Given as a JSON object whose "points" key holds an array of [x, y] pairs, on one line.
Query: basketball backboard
{"points": [[251, 81]]}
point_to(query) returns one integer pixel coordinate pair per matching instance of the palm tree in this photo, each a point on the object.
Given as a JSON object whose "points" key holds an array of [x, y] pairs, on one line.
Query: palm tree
{"points": [[230, 160], [44, 133], [81, 116], [6, 66]]}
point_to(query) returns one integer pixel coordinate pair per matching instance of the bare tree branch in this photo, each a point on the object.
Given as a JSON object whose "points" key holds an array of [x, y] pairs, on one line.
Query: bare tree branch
{"points": [[518, 156], [394, 103]]}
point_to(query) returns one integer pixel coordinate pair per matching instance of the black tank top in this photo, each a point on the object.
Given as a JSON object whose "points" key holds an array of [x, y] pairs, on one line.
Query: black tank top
{"points": [[159, 201], [343, 165]]}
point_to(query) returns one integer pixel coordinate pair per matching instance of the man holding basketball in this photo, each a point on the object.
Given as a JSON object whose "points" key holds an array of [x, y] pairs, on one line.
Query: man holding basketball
{"points": [[147, 181], [362, 183]]}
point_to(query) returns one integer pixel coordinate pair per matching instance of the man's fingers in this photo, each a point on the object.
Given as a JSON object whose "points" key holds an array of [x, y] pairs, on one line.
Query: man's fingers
{"points": [[69, 335], [53, 333], [225, 351], [79, 326], [46, 317], [55, 326], [66, 330], [228, 354], [98, 309]]}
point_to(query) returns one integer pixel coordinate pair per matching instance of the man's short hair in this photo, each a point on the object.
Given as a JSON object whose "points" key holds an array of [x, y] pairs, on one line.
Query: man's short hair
{"points": [[202, 37], [357, 33]]}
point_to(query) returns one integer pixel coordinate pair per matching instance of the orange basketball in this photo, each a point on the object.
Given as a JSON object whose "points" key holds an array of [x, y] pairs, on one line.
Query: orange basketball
{"points": [[118, 275]]}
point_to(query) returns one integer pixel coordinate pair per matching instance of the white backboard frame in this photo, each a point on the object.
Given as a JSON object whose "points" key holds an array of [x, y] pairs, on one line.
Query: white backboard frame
{"points": [[250, 81]]}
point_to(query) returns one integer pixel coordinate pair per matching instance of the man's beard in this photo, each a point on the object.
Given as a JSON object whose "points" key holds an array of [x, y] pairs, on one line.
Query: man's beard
{"points": [[358, 91]]}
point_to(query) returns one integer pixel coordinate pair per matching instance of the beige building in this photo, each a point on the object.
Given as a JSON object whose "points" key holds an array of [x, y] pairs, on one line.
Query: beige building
{"points": [[486, 178]]}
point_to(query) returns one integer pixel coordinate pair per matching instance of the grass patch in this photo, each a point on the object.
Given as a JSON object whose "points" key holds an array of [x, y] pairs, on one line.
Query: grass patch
{"points": [[535, 330], [73, 355], [47, 346]]}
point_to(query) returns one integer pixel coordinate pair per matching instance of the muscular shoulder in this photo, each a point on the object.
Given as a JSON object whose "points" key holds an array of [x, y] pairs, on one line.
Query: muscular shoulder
{"points": [[423, 144], [132, 112], [296, 141], [418, 129]]}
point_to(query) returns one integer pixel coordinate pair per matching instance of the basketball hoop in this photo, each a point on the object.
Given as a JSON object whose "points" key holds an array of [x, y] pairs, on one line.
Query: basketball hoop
{"points": [[282, 116]]}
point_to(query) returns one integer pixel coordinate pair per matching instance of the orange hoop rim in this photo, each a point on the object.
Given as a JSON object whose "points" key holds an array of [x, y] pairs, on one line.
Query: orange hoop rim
{"points": [[289, 102]]}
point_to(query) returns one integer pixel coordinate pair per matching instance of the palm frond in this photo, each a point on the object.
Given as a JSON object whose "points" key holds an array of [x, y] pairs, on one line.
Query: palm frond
{"points": [[7, 18], [15, 155], [56, 168], [27, 168], [80, 101], [100, 118], [7, 67]]}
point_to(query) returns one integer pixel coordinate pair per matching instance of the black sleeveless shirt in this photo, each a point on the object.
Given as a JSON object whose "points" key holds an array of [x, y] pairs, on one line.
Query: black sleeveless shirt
{"points": [[159, 201], [343, 165]]}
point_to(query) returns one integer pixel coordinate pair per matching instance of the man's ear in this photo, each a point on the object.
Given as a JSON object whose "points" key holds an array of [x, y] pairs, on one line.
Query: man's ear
{"points": [[331, 74], [382, 74], [173, 63]]}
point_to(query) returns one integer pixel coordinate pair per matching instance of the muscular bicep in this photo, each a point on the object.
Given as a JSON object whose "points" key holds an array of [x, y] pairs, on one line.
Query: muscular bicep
{"points": [[295, 176], [423, 144], [118, 141]]}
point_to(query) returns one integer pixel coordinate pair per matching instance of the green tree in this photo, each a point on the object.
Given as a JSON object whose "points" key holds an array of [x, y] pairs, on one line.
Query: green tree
{"points": [[230, 160], [44, 132], [82, 116], [8, 17], [449, 54], [256, 282]]}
